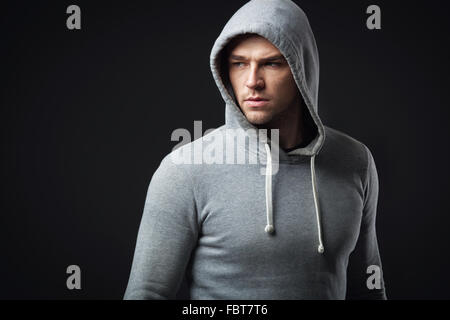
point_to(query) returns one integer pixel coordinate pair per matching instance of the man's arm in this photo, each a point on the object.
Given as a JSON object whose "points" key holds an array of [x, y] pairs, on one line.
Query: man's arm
{"points": [[366, 257], [167, 234]]}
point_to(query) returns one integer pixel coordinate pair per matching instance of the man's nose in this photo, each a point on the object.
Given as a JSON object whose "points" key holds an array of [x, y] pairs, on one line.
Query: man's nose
{"points": [[254, 80]]}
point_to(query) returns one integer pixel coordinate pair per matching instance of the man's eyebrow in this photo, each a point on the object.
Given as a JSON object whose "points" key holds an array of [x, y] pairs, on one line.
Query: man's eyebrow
{"points": [[277, 57]]}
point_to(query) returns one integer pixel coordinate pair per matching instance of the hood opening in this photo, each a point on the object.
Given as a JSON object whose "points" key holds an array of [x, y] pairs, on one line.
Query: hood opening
{"points": [[311, 130]]}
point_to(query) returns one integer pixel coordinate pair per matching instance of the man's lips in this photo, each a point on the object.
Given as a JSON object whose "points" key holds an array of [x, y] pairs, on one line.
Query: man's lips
{"points": [[256, 102], [256, 99]]}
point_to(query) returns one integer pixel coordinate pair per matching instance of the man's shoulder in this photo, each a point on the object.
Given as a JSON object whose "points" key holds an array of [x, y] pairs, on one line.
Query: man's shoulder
{"points": [[337, 136], [343, 147]]}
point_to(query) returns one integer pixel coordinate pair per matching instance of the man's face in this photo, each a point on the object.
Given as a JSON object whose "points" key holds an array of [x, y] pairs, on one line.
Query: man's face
{"points": [[257, 69]]}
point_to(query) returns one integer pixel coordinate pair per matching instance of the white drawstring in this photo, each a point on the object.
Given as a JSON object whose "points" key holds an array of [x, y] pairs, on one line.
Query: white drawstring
{"points": [[269, 210], [269, 227], [321, 249]]}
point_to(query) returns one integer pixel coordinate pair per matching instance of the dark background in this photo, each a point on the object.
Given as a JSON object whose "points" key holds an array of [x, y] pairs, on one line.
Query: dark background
{"points": [[86, 117]]}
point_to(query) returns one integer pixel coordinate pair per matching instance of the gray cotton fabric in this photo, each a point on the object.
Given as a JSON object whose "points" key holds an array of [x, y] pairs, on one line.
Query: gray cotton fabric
{"points": [[203, 233]]}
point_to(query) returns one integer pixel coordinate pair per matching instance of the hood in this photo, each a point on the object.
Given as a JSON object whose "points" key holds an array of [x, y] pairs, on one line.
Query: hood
{"points": [[286, 26]]}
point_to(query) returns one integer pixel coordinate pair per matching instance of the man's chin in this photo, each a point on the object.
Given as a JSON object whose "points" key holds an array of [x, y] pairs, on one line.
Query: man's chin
{"points": [[259, 117], [258, 121]]}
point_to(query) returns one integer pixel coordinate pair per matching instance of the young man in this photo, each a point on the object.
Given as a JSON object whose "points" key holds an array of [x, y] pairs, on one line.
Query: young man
{"points": [[305, 231]]}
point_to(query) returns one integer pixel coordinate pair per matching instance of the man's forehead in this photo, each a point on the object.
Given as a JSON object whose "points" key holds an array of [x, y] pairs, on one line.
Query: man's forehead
{"points": [[245, 44]]}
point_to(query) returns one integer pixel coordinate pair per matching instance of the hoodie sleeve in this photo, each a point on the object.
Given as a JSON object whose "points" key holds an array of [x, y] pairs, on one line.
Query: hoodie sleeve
{"points": [[167, 234], [364, 272]]}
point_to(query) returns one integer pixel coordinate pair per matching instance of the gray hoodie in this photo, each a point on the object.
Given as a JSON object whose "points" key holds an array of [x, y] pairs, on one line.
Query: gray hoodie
{"points": [[302, 230]]}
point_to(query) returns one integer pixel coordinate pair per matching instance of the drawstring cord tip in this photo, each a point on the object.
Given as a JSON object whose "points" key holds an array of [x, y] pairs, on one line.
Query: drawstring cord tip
{"points": [[321, 249], [269, 229]]}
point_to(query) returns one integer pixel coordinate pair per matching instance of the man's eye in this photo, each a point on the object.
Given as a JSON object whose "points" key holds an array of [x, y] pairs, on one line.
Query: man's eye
{"points": [[238, 64], [273, 64]]}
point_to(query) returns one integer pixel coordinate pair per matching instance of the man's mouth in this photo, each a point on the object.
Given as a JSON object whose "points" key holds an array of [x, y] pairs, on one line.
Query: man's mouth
{"points": [[256, 99], [254, 102]]}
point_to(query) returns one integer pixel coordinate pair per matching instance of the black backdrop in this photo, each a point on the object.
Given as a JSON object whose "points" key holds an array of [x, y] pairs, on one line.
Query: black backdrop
{"points": [[86, 116]]}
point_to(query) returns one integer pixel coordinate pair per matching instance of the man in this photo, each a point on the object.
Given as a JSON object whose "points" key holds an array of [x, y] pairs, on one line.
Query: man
{"points": [[225, 231]]}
